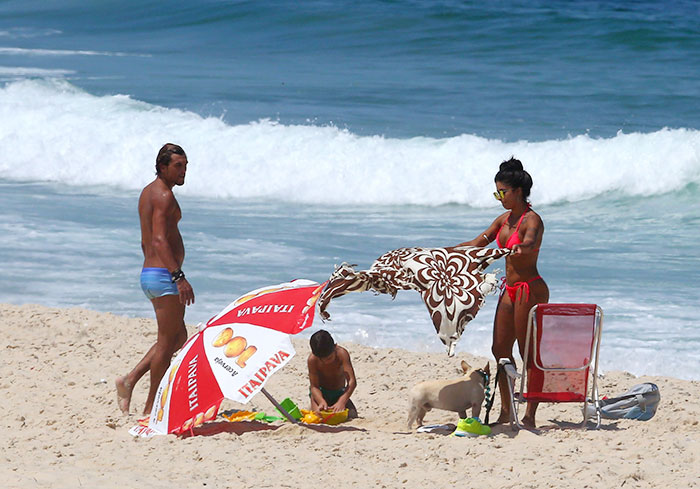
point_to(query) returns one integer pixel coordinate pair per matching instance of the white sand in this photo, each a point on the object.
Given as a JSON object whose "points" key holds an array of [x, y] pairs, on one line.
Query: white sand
{"points": [[62, 428]]}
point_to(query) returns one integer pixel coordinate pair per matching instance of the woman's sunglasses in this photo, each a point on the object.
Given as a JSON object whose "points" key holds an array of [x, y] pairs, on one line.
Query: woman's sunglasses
{"points": [[500, 194]]}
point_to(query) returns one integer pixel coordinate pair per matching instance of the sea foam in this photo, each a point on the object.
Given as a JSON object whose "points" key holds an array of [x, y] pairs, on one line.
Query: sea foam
{"points": [[53, 131]]}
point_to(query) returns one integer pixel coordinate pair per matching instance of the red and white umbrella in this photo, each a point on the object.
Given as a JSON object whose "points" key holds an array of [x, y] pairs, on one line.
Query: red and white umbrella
{"points": [[233, 356]]}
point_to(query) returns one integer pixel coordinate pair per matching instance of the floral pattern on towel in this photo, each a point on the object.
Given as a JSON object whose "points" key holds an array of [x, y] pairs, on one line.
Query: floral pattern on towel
{"points": [[451, 281]]}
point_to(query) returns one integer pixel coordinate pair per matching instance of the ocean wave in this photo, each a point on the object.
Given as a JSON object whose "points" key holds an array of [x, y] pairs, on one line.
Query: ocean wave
{"points": [[23, 72], [53, 131], [62, 52], [28, 32]]}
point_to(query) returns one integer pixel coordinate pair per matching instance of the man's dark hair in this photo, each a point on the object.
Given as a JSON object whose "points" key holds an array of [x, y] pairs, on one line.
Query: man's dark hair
{"points": [[322, 343], [165, 153]]}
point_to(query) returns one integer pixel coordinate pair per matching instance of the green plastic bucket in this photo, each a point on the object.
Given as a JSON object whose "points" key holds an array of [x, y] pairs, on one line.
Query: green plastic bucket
{"points": [[291, 408]]}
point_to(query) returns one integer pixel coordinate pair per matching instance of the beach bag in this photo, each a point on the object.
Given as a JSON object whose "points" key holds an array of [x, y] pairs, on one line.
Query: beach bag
{"points": [[638, 403]]}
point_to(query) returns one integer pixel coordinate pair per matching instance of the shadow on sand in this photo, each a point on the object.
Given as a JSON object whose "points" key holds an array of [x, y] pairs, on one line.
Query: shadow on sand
{"points": [[240, 427], [554, 426]]}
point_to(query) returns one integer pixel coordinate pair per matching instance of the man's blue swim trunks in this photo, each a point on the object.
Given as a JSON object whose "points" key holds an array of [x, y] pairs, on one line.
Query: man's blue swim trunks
{"points": [[157, 282]]}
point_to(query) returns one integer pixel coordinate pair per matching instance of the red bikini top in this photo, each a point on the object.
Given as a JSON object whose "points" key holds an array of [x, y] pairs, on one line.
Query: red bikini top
{"points": [[514, 238]]}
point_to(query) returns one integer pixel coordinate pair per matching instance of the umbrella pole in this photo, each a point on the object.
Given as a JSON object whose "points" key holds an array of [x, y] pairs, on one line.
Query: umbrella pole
{"points": [[278, 406]]}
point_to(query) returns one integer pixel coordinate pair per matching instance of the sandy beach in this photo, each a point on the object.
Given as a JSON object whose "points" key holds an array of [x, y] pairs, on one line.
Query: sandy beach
{"points": [[62, 427]]}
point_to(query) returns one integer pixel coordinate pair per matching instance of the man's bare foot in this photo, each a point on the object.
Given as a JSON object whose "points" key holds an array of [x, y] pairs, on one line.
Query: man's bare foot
{"points": [[503, 418], [124, 390]]}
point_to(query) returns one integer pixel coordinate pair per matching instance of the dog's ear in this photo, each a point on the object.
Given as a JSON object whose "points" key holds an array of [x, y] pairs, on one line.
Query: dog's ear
{"points": [[487, 369], [465, 366]]}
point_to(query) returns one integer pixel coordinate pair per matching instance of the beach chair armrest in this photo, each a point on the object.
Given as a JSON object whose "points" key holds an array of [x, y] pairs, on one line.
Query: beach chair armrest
{"points": [[509, 368]]}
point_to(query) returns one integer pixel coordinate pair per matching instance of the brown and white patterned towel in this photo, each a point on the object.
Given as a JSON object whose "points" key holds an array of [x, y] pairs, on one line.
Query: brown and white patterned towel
{"points": [[451, 281]]}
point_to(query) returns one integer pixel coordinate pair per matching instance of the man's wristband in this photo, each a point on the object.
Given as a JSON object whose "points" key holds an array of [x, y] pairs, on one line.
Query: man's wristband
{"points": [[177, 275]]}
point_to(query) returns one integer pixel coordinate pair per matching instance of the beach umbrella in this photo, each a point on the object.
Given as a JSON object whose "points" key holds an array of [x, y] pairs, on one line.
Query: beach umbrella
{"points": [[233, 355]]}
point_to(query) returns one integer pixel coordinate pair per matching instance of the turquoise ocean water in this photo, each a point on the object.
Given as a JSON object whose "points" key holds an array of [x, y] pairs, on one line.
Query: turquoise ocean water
{"points": [[323, 132]]}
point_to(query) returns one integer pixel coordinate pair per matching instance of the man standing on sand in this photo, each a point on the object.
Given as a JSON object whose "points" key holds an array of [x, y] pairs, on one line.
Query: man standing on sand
{"points": [[162, 279]]}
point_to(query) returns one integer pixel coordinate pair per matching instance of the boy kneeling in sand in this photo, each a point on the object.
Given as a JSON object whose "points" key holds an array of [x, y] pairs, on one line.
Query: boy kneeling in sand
{"points": [[331, 375]]}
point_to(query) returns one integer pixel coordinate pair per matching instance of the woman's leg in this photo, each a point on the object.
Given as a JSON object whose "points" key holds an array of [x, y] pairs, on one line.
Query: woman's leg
{"points": [[539, 294], [502, 347]]}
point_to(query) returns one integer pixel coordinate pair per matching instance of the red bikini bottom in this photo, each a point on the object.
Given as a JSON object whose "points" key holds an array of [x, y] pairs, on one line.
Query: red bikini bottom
{"points": [[523, 287]]}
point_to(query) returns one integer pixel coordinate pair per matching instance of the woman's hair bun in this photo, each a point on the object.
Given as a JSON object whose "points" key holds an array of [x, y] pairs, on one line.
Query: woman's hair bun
{"points": [[511, 172], [511, 165]]}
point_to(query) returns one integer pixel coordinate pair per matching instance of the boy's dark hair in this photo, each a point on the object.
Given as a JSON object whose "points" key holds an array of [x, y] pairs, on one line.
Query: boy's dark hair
{"points": [[322, 343]]}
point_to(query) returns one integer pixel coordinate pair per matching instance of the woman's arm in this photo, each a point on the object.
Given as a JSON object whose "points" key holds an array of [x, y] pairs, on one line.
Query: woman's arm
{"points": [[534, 228]]}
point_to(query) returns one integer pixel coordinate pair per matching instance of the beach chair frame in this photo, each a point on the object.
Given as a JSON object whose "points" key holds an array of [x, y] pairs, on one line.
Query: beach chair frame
{"points": [[531, 348]]}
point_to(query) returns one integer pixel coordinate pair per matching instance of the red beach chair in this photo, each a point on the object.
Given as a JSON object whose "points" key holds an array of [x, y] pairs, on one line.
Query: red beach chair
{"points": [[561, 355]]}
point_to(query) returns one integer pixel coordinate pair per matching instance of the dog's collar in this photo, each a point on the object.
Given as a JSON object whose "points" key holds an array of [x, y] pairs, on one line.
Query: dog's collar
{"points": [[484, 375]]}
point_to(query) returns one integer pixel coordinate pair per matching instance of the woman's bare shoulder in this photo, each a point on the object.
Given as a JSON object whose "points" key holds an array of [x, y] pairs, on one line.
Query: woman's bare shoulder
{"points": [[533, 219]]}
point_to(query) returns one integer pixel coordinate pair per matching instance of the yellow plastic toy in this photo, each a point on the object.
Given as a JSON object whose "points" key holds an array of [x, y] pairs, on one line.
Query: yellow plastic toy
{"points": [[309, 417], [325, 417], [240, 416]]}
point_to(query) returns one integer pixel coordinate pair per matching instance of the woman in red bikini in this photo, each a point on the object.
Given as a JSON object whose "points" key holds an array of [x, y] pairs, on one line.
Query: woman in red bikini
{"points": [[521, 230]]}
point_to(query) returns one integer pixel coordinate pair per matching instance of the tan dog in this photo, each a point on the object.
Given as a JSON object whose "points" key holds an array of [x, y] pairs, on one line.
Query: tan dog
{"points": [[451, 395]]}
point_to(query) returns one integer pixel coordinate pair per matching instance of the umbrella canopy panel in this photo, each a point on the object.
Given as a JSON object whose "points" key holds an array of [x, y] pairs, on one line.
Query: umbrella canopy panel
{"points": [[234, 355]]}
